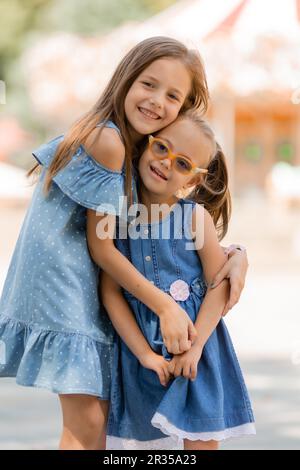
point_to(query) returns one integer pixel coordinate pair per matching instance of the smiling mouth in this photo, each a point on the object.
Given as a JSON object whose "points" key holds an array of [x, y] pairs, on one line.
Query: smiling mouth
{"points": [[148, 113], [158, 173]]}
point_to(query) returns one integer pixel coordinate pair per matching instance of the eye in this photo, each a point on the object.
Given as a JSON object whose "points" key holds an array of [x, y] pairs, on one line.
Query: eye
{"points": [[183, 164], [160, 148], [173, 97], [148, 84]]}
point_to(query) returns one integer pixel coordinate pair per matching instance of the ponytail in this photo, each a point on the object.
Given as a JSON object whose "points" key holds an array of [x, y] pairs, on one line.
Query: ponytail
{"points": [[213, 193]]}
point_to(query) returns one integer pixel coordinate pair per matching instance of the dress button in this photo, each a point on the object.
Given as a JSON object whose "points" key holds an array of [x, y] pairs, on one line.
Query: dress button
{"points": [[146, 231], [148, 258]]}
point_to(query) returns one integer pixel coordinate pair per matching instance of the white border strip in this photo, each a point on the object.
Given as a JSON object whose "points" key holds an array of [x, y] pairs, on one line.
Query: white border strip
{"points": [[119, 443], [159, 421]]}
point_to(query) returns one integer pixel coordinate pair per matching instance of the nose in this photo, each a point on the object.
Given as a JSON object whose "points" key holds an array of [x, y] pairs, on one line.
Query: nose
{"points": [[157, 100], [166, 162]]}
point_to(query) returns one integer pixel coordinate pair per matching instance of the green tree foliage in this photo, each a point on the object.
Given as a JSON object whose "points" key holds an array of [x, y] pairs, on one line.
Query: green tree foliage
{"points": [[17, 18]]}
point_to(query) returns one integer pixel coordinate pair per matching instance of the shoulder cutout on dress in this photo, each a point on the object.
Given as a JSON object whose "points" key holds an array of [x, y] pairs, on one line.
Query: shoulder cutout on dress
{"points": [[106, 147]]}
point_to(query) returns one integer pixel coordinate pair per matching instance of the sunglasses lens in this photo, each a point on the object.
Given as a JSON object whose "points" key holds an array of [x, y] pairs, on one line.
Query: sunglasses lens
{"points": [[183, 165], [160, 149]]}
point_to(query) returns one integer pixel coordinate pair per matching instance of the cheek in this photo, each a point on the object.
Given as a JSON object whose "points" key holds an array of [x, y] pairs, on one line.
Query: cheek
{"points": [[127, 106], [143, 162], [172, 112], [131, 96], [179, 181], [141, 167]]}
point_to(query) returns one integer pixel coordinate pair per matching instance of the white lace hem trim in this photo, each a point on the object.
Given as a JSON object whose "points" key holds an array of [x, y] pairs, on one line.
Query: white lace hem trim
{"points": [[159, 421], [176, 436]]}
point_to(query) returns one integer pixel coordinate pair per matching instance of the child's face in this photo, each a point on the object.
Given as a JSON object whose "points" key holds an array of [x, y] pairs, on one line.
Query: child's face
{"points": [[183, 137], [156, 96]]}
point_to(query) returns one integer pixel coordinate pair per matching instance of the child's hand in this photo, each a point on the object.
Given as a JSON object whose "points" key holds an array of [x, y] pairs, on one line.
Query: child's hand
{"points": [[158, 364], [186, 364], [177, 328]]}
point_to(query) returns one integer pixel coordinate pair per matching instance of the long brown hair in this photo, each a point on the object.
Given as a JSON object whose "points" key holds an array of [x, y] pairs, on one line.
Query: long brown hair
{"points": [[213, 189], [110, 105]]}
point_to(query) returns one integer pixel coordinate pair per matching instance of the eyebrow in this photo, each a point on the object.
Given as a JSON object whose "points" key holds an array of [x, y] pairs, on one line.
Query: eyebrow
{"points": [[155, 80], [171, 145]]}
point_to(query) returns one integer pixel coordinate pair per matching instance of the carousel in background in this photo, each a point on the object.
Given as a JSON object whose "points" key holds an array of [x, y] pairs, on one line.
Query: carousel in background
{"points": [[260, 76]]}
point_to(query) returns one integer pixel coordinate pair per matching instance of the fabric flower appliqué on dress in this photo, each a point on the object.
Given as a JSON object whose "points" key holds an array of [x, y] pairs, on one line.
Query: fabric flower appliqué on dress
{"points": [[179, 290]]}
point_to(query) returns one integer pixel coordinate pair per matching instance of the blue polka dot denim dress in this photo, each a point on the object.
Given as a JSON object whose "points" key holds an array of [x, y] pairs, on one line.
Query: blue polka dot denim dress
{"points": [[214, 406], [53, 331]]}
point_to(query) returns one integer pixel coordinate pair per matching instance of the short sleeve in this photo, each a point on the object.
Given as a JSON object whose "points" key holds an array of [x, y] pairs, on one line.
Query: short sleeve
{"points": [[86, 181]]}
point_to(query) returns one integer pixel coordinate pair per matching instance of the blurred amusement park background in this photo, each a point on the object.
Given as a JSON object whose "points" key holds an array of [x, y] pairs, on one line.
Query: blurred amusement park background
{"points": [[55, 58]]}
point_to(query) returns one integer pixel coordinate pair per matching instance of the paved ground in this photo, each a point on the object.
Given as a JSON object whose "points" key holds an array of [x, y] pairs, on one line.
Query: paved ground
{"points": [[30, 418], [265, 327]]}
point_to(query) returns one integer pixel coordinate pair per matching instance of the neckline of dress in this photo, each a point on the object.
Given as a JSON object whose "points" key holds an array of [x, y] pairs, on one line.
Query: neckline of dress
{"points": [[173, 209]]}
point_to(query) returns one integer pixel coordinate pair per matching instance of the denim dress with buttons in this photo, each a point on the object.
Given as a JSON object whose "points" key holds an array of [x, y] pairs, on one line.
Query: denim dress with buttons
{"points": [[53, 331], [214, 406]]}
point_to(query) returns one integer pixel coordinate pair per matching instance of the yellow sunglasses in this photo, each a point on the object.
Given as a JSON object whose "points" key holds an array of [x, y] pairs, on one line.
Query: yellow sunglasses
{"points": [[161, 150]]}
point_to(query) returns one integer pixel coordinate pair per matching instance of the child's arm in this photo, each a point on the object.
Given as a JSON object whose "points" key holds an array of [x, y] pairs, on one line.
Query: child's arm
{"points": [[235, 270], [178, 331], [177, 328], [212, 259], [126, 326]]}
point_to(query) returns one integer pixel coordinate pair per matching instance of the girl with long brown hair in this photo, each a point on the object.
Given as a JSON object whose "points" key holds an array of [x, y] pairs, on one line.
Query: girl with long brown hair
{"points": [[55, 332]]}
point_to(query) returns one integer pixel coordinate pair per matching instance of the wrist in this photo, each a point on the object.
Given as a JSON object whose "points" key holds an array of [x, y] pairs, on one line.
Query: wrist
{"points": [[164, 305], [145, 357], [198, 346]]}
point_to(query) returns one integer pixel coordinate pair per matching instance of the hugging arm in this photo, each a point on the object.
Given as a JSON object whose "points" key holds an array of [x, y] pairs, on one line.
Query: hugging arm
{"points": [[126, 326], [177, 328], [235, 270], [106, 148]]}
